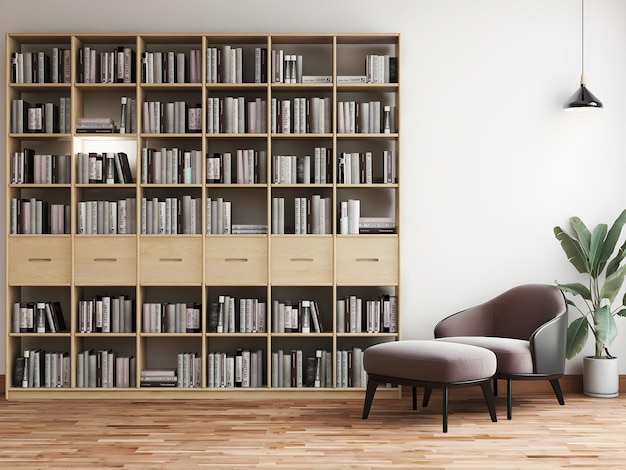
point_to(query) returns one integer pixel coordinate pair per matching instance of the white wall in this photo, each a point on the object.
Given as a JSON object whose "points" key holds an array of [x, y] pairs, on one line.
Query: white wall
{"points": [[491, 162]]}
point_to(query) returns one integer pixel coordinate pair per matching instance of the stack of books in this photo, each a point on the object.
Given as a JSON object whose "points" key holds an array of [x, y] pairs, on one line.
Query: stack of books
{"points": [[158, 378], [95, 125]]}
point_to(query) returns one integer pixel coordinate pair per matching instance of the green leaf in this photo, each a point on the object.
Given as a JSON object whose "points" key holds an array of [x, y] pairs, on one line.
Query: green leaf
{"points": [[615, 262], [612, 284], [577, 333], [576, 289], [622, 312], [604, 325], [573, 250], [611, 242], [595, 249], [582, 232]]}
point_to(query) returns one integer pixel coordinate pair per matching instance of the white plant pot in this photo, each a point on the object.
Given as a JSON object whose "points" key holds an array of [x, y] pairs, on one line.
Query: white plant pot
{"points": [[600, 377]]}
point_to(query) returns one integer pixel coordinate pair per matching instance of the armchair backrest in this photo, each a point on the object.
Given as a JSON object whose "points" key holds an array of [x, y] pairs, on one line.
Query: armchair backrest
{"points": [[516, 313]]}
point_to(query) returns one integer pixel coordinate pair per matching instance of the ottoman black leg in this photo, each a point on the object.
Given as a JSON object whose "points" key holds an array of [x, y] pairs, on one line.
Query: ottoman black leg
{"points": [[369, 396], [445, 409], [556, 386], [426, 399], [414, 396], [488, 394], [509, 401]]}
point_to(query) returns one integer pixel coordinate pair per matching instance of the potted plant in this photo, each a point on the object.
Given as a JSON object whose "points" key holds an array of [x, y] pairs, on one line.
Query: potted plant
{"points": [[593, 254]]}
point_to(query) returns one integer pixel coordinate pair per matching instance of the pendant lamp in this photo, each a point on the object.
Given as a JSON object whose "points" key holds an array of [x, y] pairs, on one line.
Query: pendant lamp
{"points": [[582, 99]]}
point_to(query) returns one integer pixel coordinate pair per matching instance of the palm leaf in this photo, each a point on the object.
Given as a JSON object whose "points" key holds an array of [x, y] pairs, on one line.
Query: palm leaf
{"points": [[611, 241], [615, 262], [612, 284], [576, 289], [577, 333], [595, 248], [573, 250], [582, 232], [604, 325]]}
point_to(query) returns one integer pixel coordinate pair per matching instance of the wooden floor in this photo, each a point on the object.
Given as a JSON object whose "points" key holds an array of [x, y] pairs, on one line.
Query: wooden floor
{"points": [[586, 433]]}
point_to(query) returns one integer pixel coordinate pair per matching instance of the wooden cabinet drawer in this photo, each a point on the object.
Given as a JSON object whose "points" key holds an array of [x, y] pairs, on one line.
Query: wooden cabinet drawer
{"points": [[299, 260], [363, 260], [45, 260], [108, 260], [173, 260], [236, 260]]}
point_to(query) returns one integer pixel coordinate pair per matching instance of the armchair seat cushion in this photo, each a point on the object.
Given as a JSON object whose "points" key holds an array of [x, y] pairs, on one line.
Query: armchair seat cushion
{"points": [[513, 355]]}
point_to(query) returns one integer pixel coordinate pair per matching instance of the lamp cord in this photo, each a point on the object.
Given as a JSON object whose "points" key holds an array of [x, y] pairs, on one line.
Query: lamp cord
{"points": [[582, 42]]}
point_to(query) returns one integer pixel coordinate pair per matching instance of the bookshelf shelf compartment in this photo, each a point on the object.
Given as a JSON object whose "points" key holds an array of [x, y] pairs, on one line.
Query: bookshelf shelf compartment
{"points": [[176, 254]]}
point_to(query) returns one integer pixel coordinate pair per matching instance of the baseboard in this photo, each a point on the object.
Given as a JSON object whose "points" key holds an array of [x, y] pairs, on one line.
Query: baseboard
{"points": [[569, 384]]}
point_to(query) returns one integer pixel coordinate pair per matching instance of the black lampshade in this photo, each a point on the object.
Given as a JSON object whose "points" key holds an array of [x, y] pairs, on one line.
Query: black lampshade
{"points": [[582, 99]]}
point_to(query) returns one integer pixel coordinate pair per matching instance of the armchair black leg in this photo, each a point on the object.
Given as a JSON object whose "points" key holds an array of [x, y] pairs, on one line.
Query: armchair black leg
{"points": [[509, 401], [556, 386], [426, 399], [495, 387], [369, 396], [414, 395], [488, 394]]}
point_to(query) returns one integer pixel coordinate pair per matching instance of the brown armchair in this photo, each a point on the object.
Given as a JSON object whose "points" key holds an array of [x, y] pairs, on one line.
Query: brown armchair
{"points": [[526, 327]]}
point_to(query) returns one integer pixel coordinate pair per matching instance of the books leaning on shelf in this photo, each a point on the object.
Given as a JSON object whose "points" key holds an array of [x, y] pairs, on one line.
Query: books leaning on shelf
{"points": [[41, 66], [155, 377], [106, 217], [106, 314], [292, 369], [171, 166], [117, 66], [34, 216], [380, 316], [229, 315], [303, 316], [38, 317], [243, 369], [179, 317], [105, 368], [37, 368], [349, 368], [28, 167]]}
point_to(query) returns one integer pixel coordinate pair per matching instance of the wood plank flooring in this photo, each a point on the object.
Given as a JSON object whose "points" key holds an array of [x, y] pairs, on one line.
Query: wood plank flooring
{"points": [[586, 433]]}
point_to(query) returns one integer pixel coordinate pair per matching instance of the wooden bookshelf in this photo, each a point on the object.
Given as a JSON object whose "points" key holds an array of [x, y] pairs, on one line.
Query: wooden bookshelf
{"points": [[151, 260]]}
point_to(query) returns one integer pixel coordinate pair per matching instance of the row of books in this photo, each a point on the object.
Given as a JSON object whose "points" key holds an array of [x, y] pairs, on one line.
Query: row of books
{"points": [[365, 118], [311, 216], [248, 166], [358, 168], [302, 169], [224, 64], [105, 368], [302, 316], [37, 368], [292, 369], [28, 167], [34, 216], [236, 115], [171, 66], [349, 370], [117, 66], [103, 168], [41, 66], [174, 117], [286, 68], [106, 314], [301, 115], [103, 217], [243, 369], [171, 215], [229, 315], [171, 166], [381, 68], [37, 317], [171, 317], [40, 118], [372, 315]]}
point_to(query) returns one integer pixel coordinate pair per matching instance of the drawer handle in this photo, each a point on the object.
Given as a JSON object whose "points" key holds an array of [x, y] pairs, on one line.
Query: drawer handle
{"points": [[40, 260], [302, 260], [105, 260], [171, 260], [236, 260], [367, 260]]}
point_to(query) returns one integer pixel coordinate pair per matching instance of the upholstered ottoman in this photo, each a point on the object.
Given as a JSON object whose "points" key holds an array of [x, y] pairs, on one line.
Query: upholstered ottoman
{"points": [[429, 364]]}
